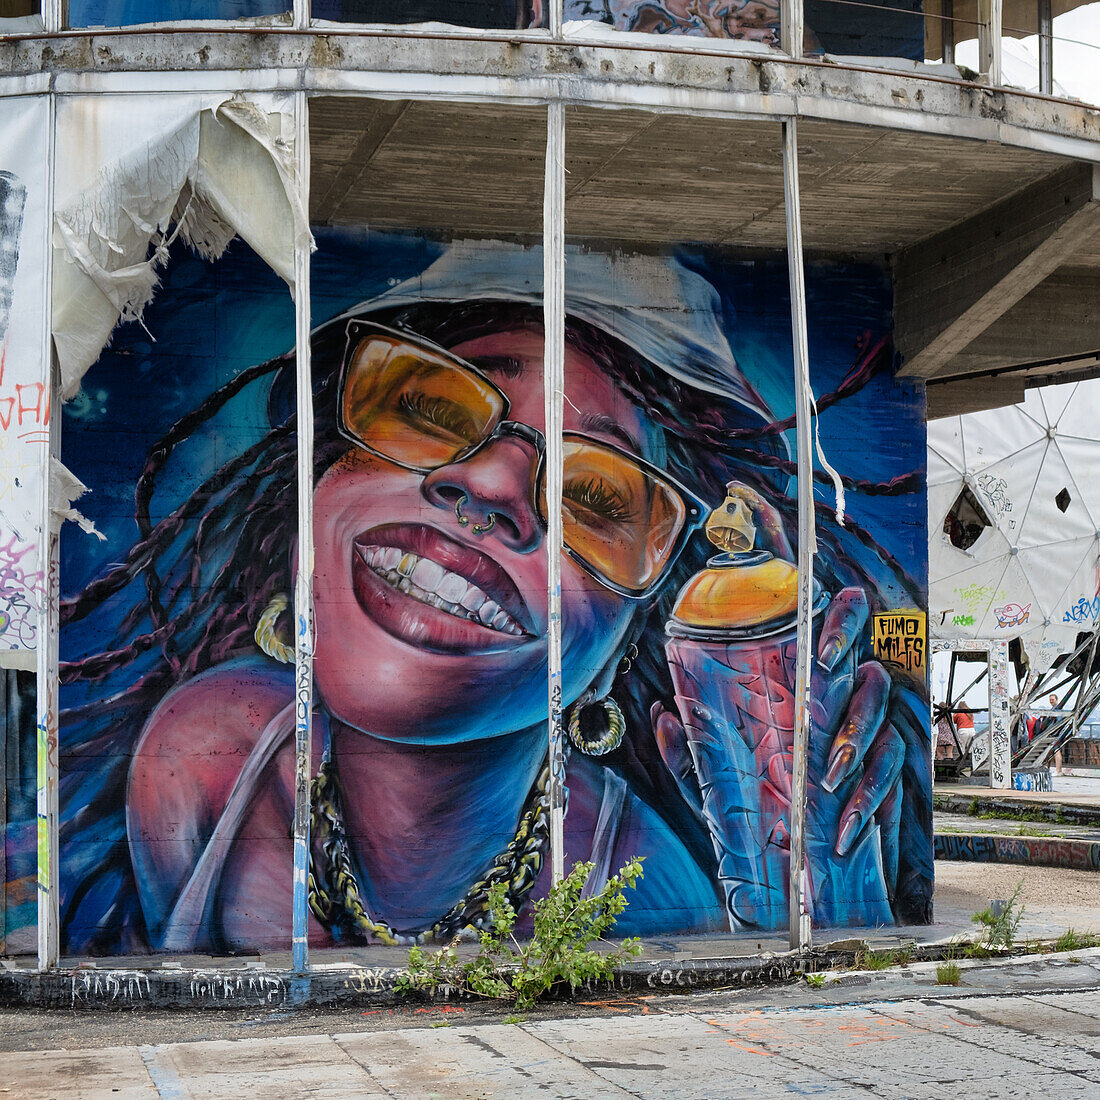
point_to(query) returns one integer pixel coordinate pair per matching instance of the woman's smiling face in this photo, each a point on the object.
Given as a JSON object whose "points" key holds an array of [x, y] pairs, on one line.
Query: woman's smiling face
{"points": [[429, 631]]}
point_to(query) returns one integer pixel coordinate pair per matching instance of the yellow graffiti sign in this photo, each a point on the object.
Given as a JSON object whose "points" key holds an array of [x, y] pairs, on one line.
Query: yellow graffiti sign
{"points": [[901, 639]]}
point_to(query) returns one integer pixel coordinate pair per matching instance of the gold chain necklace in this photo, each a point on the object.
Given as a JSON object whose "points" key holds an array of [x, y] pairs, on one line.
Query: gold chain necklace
{"points": [[334, 897]]}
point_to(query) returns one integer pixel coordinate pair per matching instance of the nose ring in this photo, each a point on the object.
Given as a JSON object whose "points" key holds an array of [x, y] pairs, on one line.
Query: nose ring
{"points": [[464, 521]]}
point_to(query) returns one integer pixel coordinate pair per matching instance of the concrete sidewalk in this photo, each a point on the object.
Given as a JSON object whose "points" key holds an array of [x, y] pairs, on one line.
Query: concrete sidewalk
{"points": [[1019, 1029]]}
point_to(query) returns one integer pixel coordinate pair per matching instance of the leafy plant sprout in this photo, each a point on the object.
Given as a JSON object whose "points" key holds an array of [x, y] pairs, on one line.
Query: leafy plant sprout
{"points": [[999, 922], [1071, 940], [948, 974], [560, 950], [883, 960]]}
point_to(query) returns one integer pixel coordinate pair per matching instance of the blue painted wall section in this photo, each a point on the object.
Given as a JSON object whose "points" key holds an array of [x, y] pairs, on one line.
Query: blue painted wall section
{"points": [[430, 712]]}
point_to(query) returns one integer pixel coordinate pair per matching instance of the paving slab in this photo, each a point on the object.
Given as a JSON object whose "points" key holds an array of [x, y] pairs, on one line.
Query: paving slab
{"points": [[271, 1069], [474, 1062], [112, 1073], [1016, 1032], [654, 1056], [1004, 1047]]}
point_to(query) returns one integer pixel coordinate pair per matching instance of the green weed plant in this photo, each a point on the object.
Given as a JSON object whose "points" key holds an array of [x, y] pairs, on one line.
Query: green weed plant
{"points": [[1071, 940], [948, 974], [559, 952], [998, 928]]}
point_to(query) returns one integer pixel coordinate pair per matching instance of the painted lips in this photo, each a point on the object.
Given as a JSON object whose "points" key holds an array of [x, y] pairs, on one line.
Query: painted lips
{"points": [[430, 590]]}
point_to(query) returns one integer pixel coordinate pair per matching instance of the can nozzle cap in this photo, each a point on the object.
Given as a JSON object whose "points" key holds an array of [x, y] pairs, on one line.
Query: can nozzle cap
{"points": [[738, 589], [730, 526]]}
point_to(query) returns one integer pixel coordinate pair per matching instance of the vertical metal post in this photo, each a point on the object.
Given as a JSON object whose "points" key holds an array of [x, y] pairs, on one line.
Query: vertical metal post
{"points": [[303, 586], [1046, 48], [947, 31], [991, 13], [47, 632], [53, 15], [553, 381], [799, 927], [792, 30], [1000, 742]]}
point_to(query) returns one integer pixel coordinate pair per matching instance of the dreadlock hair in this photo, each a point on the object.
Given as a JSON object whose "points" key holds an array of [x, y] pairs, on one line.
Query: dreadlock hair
{"points": [[195, 582]]}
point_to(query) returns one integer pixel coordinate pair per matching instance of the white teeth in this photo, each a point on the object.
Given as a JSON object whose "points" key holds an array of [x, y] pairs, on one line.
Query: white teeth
{"points": [[451, 588], [473, 598], [427, 575], [427, 581]]}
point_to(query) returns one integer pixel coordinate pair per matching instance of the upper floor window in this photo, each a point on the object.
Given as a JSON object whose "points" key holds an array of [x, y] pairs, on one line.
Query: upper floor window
{"points": [[124, 13]]}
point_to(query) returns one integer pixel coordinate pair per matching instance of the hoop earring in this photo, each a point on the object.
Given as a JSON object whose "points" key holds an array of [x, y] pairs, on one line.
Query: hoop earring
{"points": [[265, 636], [613, 723]]}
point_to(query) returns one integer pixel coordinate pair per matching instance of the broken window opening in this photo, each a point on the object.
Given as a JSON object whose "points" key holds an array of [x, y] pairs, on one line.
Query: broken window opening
{"points": [[966, 520], [1062, 500]]}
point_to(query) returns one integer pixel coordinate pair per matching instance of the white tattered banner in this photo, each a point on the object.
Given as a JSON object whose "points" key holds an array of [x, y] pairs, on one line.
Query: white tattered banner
{"points": [[24, 396], [132, 173], [136, 172]]}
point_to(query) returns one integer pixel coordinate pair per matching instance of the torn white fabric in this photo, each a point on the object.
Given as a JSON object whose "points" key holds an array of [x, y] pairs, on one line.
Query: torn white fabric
{"points": [[66, 487], [221, 168], [826, 465], [24, 374]]}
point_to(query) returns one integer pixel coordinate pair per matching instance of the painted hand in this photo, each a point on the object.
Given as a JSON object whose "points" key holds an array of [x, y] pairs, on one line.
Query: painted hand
{"points": [[856, 751], [735, 759]]}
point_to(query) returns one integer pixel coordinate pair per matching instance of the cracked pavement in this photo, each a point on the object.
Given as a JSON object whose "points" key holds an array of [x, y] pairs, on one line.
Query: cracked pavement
{"points": [[1020, 1027]]}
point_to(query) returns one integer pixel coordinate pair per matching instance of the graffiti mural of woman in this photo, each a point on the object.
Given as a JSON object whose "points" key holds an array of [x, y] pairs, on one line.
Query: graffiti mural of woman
{"points": [[430, 604]]}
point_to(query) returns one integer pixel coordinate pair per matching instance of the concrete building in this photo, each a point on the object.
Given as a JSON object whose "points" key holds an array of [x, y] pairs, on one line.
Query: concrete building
{"points": [[404, 583]]}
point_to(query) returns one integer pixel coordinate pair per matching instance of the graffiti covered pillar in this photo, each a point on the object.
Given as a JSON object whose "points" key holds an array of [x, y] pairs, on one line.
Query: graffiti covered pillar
{"points": [[553, 305], [1000, 743], [24, 454]]}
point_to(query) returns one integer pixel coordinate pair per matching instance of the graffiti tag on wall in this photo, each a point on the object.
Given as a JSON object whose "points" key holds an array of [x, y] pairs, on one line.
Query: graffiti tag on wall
{"points": [[995, 490], [900, 638], [1083, 611], [1012, 614], [24, 421], [20, 592]]}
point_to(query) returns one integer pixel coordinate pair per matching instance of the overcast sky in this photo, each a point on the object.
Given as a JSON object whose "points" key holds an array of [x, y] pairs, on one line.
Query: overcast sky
{"points": [[1076, 64]]}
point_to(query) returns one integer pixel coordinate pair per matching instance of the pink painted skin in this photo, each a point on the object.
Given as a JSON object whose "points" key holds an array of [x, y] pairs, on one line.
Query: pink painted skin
{"points": [[455, 711], [437, 724], [448, 666]]}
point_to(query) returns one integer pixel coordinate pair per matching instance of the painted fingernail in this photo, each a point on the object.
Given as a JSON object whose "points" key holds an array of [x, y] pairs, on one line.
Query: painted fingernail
{"points": [[829, 654], [840, 763], [849, 830]]}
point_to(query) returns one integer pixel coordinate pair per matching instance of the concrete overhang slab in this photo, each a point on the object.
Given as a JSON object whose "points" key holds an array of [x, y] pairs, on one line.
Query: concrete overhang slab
{"points": [[530, 68], [643, 177]]}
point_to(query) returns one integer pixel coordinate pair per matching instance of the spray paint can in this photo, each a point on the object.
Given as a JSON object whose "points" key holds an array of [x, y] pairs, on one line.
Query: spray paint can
{"points": [[731, 651]]}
